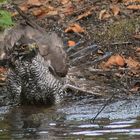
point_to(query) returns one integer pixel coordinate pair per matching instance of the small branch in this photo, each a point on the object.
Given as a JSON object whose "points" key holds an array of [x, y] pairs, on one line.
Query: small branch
{"points": [[121, 43], [90, 4], [27, 19], [77, 89], [102, 108], [105, 56], [109, 70]]}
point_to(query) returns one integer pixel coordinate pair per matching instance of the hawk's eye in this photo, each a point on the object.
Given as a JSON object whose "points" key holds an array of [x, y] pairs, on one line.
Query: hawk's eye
{"points": [[23, 46]]}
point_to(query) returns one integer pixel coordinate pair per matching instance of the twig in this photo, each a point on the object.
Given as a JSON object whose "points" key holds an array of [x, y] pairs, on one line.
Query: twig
{"points": [[108, 70], [121, 43], [70, 49], [74, 88], [105, 56], [86, 51], [27, 20], [102, 108], [85, 7]]}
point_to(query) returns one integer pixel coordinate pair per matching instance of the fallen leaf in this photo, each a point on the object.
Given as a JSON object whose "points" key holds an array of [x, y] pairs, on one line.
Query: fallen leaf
{"points": [[71, 43], [75, 28], [133, 64], [37, 11], [115, 10], [34, 2], [116, 60], [85, 14], [52, 13], [133, 7], [24, 7], [104, 14], [44, 11], [67, 9], [130, 1], [64, 1]]}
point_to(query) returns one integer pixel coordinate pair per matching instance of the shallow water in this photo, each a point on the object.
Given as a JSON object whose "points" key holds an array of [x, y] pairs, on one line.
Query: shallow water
{"points": [[72, 120]]}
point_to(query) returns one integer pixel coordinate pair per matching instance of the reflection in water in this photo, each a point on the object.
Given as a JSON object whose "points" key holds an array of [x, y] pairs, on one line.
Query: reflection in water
{"points": [[71, 119]]}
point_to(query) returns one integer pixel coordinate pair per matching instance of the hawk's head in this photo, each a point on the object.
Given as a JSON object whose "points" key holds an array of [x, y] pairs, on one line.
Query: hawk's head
{"points": [[23, 49]]}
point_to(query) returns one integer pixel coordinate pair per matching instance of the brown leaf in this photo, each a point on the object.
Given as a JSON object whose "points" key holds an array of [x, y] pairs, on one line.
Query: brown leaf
{"points": [[24, 7], [67, 9], [115, 10], [75, 28], [130, 1], [64, 1], [44, 11], [85, 14], [34, 2], [104, 14], [133, 64], [37, 11], [71, 43], [115, 60], [133, 7]]}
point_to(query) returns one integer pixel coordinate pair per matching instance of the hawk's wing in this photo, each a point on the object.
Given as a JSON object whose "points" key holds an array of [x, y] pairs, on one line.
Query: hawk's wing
{"points": [[50, 46]]}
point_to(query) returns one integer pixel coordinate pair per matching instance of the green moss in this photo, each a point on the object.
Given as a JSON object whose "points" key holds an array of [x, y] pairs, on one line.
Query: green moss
{"points": [[122, 30], [118, 31]]}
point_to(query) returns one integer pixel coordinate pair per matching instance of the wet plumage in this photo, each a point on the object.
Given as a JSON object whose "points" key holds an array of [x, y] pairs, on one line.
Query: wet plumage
{"points": [[34, 77]]}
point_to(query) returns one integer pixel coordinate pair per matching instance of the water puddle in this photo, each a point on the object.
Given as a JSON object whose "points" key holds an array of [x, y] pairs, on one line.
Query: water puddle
{"points": [[72, 120]]}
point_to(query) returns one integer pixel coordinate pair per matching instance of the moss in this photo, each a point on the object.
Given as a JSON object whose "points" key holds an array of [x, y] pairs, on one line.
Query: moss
{"points": [[119, 31]]}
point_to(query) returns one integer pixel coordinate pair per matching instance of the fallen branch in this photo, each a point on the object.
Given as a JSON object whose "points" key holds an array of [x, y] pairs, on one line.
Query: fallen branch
{"points": [[121, 43], [103, 107], [109, 70], [77, 89]]}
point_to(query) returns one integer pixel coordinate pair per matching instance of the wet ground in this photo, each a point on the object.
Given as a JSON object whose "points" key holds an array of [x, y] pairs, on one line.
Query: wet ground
{"points": [[72, 120]]}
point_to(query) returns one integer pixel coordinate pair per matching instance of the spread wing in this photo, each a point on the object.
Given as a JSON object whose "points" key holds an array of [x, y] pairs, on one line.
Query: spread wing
{"points": [[50, 46]]}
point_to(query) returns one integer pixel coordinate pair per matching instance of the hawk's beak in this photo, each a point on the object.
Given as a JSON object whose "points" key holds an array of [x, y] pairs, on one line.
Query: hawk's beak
{"points": [[33, 47]]}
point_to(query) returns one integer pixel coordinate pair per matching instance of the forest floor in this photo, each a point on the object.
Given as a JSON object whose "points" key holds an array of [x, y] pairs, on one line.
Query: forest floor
{"points": [[112, 24]]}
